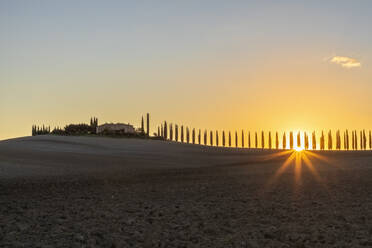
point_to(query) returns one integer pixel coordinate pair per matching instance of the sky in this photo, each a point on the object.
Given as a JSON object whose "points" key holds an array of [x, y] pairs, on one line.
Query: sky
{"points": [[216, 65]]}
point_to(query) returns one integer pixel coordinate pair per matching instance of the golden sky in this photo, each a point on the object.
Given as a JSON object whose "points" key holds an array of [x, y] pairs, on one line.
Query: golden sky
{"points": [[211, 65]]}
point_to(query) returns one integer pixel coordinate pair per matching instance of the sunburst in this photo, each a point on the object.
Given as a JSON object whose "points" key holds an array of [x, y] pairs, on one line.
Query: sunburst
{"points": [[297, 158]]}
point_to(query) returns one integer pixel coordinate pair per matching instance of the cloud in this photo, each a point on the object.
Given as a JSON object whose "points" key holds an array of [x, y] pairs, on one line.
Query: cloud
{"points": [[345, 62]]}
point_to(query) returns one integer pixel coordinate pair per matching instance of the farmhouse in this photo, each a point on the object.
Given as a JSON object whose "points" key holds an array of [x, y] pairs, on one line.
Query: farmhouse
{"points": [[116, 128]]}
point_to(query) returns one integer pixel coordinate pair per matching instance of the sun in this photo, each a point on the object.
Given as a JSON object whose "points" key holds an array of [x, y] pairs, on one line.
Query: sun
{"points": [[298, 149]]}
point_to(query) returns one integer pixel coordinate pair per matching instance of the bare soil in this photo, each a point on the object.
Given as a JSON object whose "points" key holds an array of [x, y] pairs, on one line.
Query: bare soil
{"points": [[106, 192]]}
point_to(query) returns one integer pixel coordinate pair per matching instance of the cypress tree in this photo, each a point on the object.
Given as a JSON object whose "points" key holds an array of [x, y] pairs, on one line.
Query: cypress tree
{"points": [[193, 135], [322, 141], [276, 140], [223, 138], [148, 125], [216, 138], [361, 140], [284, 141], [176, 132], [205, 137], [199, 137], [356, 140], [187, 135], [270, 140], [236, 139], [165, 130], [346, 140], [211, 137], [229, 138], [262, 139], [298, 139], [159, 134], [142, 126], [171, 132], [291, 140], [162, 131], [330, 144], [249, 139], [353, 140], [182, 134], [255, 140], [370, 140], [313, 141], [364, 140], [339, 140], [242, 139]]}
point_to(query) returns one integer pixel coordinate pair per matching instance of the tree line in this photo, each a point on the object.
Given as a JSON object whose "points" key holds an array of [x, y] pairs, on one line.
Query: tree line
{"points": [[91, 128], [71, 129], [267, 140]]}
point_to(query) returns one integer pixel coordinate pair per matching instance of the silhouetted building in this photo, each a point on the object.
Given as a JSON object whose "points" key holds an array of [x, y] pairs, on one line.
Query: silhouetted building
{"points": [[118, 127]]}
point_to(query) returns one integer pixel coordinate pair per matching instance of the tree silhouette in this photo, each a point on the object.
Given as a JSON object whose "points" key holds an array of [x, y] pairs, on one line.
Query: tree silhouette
{"points": [[298, 139], [370, 140], [291, 140], [236, 139], [313, 140], [242, 139], [193, 135], [148, 124], [347, 139], [211, 138], [356, 139], [249, 139], [270, 140], [284, 141], [306, 141], [352, 140], [93, 125], [216, 138], [223, 138], [364, 140], [170, 131], [176, 132], [165, 130], [182, 134], [159, 134], [361, 140], [322, 146], [276, 140], [162, 131], [205, 137], [338, 140], [330, 144], [187, 135], [262, 139], [255, 140], [199, 136], [142, 126], [229, 138], [71, 129]]}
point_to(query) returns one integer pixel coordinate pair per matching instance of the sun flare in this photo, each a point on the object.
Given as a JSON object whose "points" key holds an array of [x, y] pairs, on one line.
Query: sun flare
{"points": [[298, 149]]}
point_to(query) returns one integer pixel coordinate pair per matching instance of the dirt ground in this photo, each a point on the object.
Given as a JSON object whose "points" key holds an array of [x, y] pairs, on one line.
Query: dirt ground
{"points": [[105, 192]]}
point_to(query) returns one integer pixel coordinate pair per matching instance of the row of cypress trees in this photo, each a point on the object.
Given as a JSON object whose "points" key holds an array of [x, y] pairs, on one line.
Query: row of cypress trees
{"points": [[147, 133], [40, 130], [71, 129], [187, 135]]}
